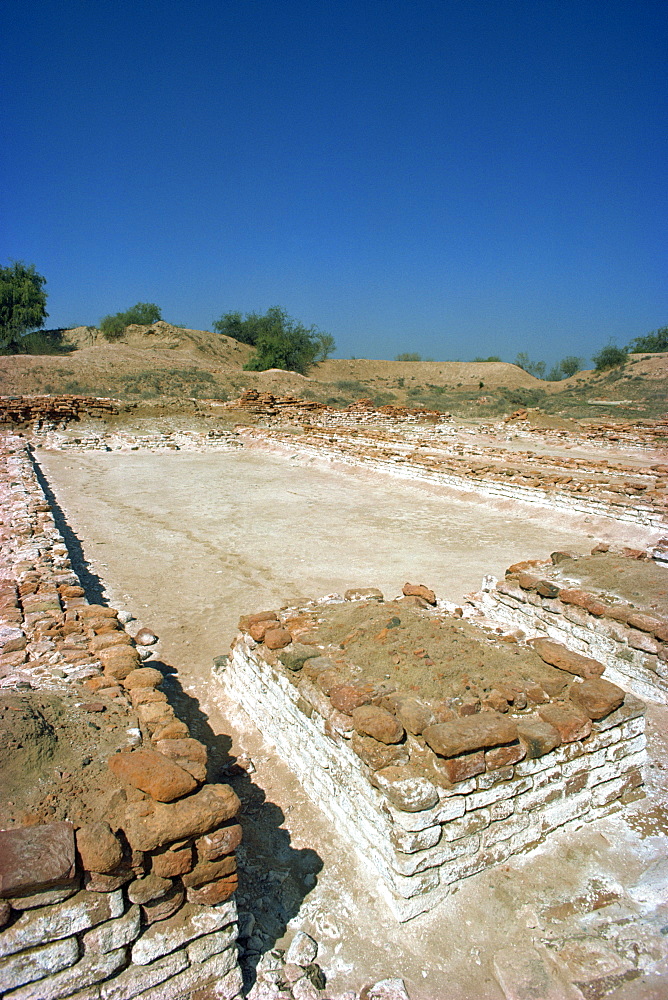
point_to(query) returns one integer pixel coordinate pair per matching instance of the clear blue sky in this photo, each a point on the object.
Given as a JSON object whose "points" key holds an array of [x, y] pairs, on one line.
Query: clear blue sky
{"points": [[456, 178]]}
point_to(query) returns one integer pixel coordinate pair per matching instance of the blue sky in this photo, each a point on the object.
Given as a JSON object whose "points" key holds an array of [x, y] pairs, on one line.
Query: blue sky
{"points": [[456, 178]]}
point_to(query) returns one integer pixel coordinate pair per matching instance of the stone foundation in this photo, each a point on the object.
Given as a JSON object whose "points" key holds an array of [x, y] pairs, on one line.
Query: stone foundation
{"points": [[117, 870], [443, 801], [630, 639]]}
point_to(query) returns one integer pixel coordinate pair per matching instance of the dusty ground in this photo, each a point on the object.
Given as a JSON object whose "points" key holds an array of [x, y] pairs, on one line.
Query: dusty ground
{"points": [[188, 542], [642, 584]]}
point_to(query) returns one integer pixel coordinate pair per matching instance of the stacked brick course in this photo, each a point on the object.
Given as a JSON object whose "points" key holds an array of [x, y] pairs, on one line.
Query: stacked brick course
{"points": [[56, 409], [630, 638], [432, 793], [137, 902]]}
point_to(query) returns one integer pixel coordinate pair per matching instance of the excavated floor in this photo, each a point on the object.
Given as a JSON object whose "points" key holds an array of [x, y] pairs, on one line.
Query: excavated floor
{"points": [[190, 541]]}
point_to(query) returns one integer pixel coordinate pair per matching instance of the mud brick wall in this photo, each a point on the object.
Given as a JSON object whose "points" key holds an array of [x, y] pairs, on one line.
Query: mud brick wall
{"points": [[636, 497], [122, 884], [56, 409], [504, 784], [631, 641]]}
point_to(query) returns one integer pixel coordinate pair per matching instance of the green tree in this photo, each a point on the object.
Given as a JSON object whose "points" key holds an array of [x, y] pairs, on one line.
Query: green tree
{"points": [[535, 368], [279, 340], [609, 357], [655, 342], [408, 356], [22, 303], [492, 357], [142, 314], [570, 365]]}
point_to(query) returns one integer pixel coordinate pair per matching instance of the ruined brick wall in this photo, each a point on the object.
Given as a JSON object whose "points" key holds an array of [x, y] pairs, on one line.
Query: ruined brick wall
{"points": [[500, 783], [55, 409], [632, 641], [120, 882], [579, 487]]}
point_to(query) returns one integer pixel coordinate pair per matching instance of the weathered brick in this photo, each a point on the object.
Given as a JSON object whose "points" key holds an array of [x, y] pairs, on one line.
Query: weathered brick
{"points": [[36, 857], [91, 969], [61, 920], [37, 963], [113, 934], [190, 922]]}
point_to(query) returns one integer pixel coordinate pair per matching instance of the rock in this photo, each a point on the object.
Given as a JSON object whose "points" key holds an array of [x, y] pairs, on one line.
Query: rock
{"points": [[214, 892], [651, 889], [569, 721], [597, 697], [258, 629], [35, 858], [476, 732], [537, 736], [145, 695], [419, 590], [348, 697], [96, 611], [378, 755], [565, 659], [318, 665], [145, 637], [460, 768], [153, 773], [413, 715], [189, 754], [109, 639], [385, 989], [149, 825], [101, 882], [210, 871], [143, 890], [277, 638], [363, 594], [99, 849], [295, 655], [369, 720], [505, 756], [406, 789], [170, 863], [173, 730], [524, 973], [164, 907], [262, 616], [5, 912], [216, 844], [302, 951], [143, 677]]}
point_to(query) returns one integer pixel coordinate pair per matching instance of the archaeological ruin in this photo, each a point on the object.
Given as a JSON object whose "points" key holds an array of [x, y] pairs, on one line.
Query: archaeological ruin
{"points": [[439, 737]]}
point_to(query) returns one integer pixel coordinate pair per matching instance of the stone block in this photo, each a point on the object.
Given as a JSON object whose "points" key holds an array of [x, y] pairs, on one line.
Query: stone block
{"points": [[113, 934], [49, 923], [190, 922], [37, 963], [220, 974], [152, 825], [476, 732], [406, 789], [33, 858], [212, 944], [99, 848], [570, 722], [134, 980], [90, 970]]}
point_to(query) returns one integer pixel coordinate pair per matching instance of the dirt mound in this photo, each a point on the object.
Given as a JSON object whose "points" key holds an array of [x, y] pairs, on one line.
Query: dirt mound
{"points": [[53, 753], [453, 374]]}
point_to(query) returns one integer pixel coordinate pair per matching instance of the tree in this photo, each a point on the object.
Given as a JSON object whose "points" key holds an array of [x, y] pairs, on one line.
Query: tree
{"points": [[536, 368], [408, 356], [570, 365], [492, 357], [279, 340], [141, 314], [22, 303], [655, 342], [609, 357]]}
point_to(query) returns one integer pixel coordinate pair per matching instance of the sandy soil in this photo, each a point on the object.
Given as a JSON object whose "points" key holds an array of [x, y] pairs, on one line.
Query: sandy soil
{"points": [[188, 542]]}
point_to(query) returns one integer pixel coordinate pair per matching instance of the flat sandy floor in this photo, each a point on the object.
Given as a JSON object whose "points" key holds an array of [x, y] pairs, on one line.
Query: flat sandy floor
{"points": [[188, 542]]}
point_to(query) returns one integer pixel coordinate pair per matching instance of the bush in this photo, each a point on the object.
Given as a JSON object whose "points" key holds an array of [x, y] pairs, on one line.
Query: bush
{"points": [[492, 357], [655, 342], [408, 356], [22, 304], [609, 357], [535, 368], [142, 314], [279, 340]]}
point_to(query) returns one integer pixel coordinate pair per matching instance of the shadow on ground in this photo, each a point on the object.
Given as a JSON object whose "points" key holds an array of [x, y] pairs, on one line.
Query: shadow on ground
{"points": [[274, 878]]}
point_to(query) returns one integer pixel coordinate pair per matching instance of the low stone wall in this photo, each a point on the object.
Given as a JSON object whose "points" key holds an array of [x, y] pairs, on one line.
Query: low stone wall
{"points": [[117, 868], [557, 484], [55, 409], [444, 801], [632, 641]]}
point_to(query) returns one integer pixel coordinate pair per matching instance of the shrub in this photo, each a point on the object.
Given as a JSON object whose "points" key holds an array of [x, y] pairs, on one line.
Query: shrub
{"points": [[408, 356], [609, 357], [655, 342], [279, 340], [142, 314]]}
